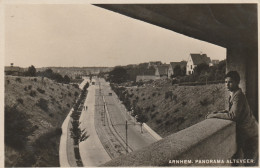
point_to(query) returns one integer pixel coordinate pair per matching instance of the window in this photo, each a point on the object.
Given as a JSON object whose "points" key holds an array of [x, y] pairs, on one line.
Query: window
{"points": [[190, 66]]}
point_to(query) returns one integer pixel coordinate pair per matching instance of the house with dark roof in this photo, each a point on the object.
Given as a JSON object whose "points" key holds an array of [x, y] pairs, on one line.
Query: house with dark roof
{"points": [[173, 65], [194, 60], [146, 75], [162, 71]]}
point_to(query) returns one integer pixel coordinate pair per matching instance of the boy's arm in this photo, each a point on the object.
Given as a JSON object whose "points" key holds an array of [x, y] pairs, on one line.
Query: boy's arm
{"points": [[233, 113]]}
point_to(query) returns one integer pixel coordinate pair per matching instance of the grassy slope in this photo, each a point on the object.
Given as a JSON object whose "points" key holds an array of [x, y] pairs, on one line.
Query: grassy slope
{"points": [[44, 141], [167, 116]]}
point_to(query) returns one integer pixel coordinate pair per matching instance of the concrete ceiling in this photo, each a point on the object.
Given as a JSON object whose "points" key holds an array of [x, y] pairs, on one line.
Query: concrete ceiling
{"points": [[226, 25]]}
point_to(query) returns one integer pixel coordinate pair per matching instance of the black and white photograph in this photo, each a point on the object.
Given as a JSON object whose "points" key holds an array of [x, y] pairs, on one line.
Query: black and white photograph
{"points": [[124, 84]]}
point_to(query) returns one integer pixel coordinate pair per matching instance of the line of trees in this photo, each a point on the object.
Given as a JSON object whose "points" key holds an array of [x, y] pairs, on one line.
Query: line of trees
{"points": [[48, 73], [204, 73], [78, 135]]}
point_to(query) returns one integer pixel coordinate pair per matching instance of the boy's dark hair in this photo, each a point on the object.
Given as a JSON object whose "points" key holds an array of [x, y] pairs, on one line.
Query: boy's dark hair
{"points": [[233, 75]]}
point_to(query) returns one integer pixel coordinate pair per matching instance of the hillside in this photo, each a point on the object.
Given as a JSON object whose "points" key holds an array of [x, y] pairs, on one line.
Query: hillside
{"points": [[34, 112], [186, 106]]}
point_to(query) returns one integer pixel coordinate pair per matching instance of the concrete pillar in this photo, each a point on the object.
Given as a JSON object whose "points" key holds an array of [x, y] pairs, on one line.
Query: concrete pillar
{"points": [[243, 59]]}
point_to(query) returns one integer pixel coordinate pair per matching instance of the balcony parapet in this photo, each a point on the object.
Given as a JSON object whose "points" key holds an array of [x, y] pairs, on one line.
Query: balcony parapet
{"points": [[207, 143]]}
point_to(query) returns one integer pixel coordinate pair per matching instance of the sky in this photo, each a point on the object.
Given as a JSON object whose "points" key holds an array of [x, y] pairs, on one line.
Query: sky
{"points": [[85, 35]]}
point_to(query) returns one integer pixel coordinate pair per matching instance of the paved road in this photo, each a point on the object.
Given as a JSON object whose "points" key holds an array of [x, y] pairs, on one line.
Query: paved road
{"points": [[136, 139], [92, 151]]}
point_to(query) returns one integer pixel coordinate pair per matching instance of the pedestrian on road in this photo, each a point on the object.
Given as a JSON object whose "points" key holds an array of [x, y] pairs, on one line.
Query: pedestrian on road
{"points": [[246, 124]]}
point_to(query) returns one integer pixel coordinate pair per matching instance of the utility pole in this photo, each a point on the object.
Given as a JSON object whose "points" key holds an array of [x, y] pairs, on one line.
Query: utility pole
{"points": [[126, 136], [104, 119]]}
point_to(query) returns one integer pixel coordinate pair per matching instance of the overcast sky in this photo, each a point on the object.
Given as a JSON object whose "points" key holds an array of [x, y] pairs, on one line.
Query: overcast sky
{"points": [[86, 35]]}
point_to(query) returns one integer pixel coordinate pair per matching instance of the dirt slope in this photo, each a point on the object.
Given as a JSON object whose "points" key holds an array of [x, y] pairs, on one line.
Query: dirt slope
{"points": [[188, 105], [38, 109]]}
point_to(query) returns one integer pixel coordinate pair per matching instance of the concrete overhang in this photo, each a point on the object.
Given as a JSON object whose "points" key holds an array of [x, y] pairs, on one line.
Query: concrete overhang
{"points": [[221, 24]]}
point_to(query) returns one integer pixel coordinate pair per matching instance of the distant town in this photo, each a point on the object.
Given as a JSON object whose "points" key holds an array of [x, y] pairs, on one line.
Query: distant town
{"points": [[152, 70]]}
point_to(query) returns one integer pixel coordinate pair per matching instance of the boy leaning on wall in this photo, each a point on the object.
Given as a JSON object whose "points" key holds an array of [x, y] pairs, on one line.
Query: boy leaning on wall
{"points": [[246, 124]]}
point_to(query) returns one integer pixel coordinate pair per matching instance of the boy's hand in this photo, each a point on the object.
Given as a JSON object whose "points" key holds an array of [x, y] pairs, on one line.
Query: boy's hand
{"points": [[210, 115]]}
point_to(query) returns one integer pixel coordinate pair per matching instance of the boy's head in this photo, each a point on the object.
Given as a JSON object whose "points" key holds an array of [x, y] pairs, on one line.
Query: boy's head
{"points": [[232, 80]]}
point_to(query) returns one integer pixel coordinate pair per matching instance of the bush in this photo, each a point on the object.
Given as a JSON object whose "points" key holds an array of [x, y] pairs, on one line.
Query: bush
{"points": [[158, 121], [8, 81], [17, 128], [40, 90], [76, 94], [29, 87], [184, 103], [69, 94], [43, 104], [19, 100], [25, 88], [18, 80], [35, 79], [75, 86], [204, 102], [33, 93]]}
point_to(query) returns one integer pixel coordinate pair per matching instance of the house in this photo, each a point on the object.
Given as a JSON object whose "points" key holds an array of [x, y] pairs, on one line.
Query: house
{"points": [[162, 71], [148, 74], [13, 70], [154, 64], [172, 66], [194, 60]]}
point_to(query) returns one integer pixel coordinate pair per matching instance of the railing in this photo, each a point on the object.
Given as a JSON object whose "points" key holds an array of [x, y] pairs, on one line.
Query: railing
{"points": [[210, 142]]}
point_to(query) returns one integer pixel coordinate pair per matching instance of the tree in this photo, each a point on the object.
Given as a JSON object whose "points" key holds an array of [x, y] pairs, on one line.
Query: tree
{"points": [[141, 118], [118, 75], [177, 70], [66, 79], [201, 68], [31, 71]]}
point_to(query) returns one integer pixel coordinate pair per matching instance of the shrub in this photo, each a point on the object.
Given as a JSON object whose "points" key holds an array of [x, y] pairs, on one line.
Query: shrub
{"points": [[168, 94], [29, 87], [51, 115], [176, 110], [19, 100], [35, 79], [167, 115], [154, 115], [68, 105], [184, 103], [143, 98], [33, 93], [69, 94], [158, 121], [8, 81], [25, 88], [17, 128], [40, 90], [204, 102], [43, 104], [75, 86], [18, 80], [154, 94], [76, 94]]}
